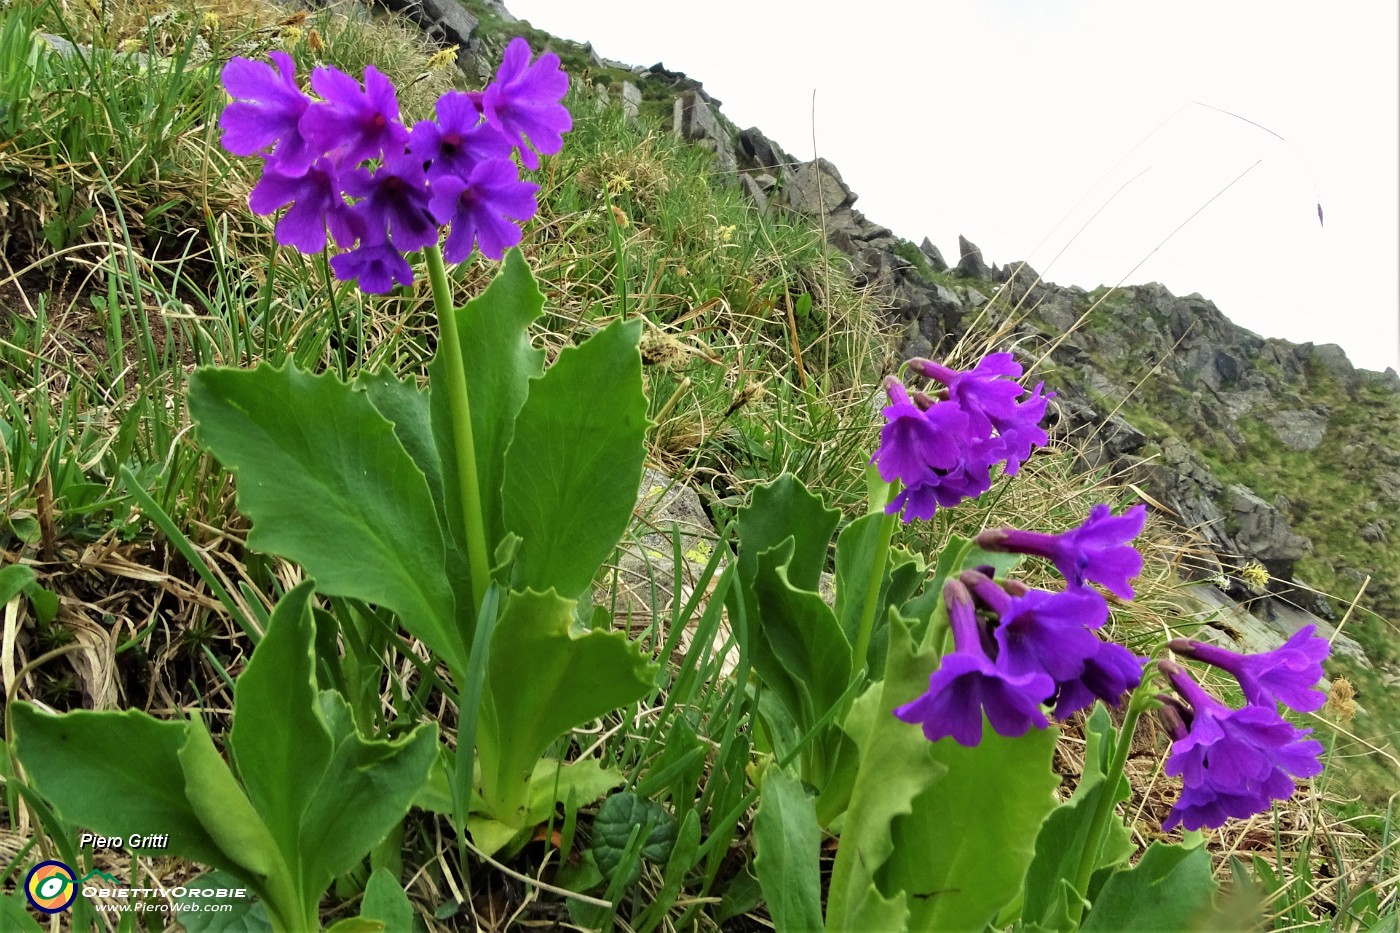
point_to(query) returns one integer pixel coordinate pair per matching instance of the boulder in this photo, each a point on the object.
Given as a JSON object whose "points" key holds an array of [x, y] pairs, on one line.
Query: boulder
{"points": [[935, 258], [677, 80], [447, 21], [631, 100], [970, 261], [1256, 625], [843, 228], [754, 191], [646, 571], [1021, 285], [1217, 368], [1332, 360], [1257, 530], [815, 189], [695, 122], [757, 152], [1297, 430], [1057, 311]]}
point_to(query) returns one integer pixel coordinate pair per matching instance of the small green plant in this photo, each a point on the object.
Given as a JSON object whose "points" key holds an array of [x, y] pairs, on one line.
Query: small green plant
{"points": [[303, 773]]}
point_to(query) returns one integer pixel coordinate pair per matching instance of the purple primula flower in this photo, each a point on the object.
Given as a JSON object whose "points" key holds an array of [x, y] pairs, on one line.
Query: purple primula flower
{"points": [[483, 209], [1233, 763], [968, 480], [1288, 674], [266, 112], [969, 684], [523, 103], [394, 201], [943, 449], [1097, 550], [316, 202], [458, 141], [1053, 633], [992, 399], [1042, 632], [377, 266], [1024, 433], [1109, 674], [352, 124], [981, 391], [915, 440]]}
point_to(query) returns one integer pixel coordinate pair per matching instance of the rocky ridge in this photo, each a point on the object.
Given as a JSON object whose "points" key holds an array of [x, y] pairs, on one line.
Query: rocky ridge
{"points": [[1224, 430]]}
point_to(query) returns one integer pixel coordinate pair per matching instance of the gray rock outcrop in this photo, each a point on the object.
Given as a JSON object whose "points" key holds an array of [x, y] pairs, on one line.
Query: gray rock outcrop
{"points": [[970, 262], [695, 121]]}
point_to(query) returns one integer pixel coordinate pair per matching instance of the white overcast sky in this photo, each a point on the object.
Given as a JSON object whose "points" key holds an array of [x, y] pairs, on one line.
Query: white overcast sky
{"points": [[1014, 121]]}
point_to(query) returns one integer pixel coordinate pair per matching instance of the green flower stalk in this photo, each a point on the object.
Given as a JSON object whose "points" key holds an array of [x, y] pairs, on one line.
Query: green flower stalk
{"points": [[459, 403]]}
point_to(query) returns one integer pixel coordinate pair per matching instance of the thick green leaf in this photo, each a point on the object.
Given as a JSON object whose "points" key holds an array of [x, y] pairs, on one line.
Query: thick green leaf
{"points": [[1059, 847], [613, 826], [897, 765], [855, 553], [575, 463], [962, 853], [365, 789], [800, 651], [224, 809], [839, 766], [16, 579], [908, 573], [494, 329], [386, 902], [937, 836], [327, 484], [741, 896], [585, 780], [787, 842], [115, 774], [804, 658], [409, 409], [278, 741], [679, 768], [543, 679], [1169, 889], [780, 510]]}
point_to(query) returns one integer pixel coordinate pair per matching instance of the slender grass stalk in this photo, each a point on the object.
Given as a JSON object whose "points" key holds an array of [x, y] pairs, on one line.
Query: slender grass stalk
{"points": [[450, 345]]}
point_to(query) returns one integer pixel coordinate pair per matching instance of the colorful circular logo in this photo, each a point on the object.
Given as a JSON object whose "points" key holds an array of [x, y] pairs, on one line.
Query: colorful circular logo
{"points": [[50, 887]]}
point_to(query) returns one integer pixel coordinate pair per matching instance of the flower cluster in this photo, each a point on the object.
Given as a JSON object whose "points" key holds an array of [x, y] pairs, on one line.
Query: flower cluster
{"points": [[1031, 647], [1235, 762], [942, 450], [346, 163]]}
